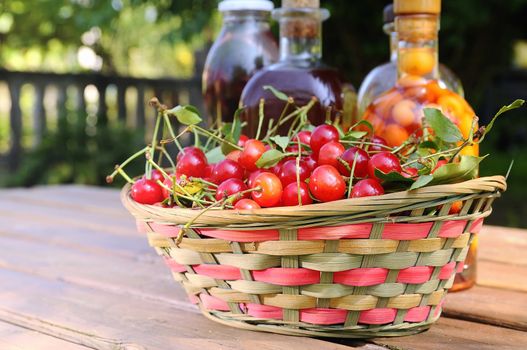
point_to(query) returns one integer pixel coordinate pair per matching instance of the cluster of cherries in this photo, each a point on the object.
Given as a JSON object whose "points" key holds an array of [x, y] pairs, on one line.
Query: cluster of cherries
{"points": [[321, 172]]}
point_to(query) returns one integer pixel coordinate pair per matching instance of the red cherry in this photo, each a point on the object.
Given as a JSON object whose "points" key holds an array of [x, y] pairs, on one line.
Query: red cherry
{"points": [[253, 175], [410, 172], [290, 195], [270, 193], [146, 191], [234, 155], [242, 140], [275, 169], [385, 162], [227, 169], [326, 184], [288, 172], [310, 162], [292, 149], [439, 164], [361, 164], [246, 204], [329, 153], [367, 188], [168, 183], [190, 149], [229, 187], [192, 164], [321, 135], [304, 137], [379, 142], [252, 151], [156, 175]]}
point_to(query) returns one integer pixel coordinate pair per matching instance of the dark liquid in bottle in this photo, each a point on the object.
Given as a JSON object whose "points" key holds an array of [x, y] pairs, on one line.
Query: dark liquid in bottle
{"points": [[233, 63], [302, 84]]}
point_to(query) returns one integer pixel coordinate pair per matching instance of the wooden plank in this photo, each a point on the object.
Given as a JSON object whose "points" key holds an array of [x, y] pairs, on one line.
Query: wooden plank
{"points": [[108, 318], [18, 338], [504, 276], [504, 245]]}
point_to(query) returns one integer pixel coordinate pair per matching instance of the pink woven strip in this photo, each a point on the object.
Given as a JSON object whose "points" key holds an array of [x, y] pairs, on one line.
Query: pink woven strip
{"points": [[141, 226], [193, 299], [264, 311], [377, 316], [221, 272], [335, 232], [361, 277], [406, 231], [439, 308], [460, 266], [213, 303], [174, 266], [323, 316], [417, 314], [447, 271], [415, 274], [476, 226], [166, 230], [452, 229], [287, 276], [242, 236]]}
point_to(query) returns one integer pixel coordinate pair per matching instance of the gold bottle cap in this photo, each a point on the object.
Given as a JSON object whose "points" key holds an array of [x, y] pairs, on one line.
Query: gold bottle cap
{"points": [[408, 7], [301, 4]]}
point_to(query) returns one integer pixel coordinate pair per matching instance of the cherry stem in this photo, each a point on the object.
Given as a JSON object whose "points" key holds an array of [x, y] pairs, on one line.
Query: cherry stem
{"points": [[193, 199], [208, 133], [260, 118], [163, 150], [352, 174], [148, 167], [200, 180], [125, 176], [172, 133], [290, 116], [449, 151], [125, 163], [298, 171], [351, 142]]}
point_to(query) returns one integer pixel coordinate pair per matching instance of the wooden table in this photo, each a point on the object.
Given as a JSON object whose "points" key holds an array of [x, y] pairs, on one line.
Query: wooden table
{"points": [[74, 274]]}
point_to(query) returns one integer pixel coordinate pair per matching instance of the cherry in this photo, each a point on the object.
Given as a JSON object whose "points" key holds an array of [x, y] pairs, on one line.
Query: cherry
{"points": [[146, 191], [190, 149], [290, 195], [329, 154], [253, 175], [192, 164], [275, 169], [242, 140], [156, 175], [304, 137], [310, 162], [410, 172], [227, 169], [367, 188], [326, 184], [321, 135], [361, 164], [168, 183], [287, 172], [252, 151], [229, 187], [246, 204], [439, 164], [385, 162], [377, 140], [234, 155], [270, 193], [456, 207]]}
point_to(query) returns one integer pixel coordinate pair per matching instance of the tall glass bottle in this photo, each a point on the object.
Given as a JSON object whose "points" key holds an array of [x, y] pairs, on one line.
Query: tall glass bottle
{"points": [[384, 77], [299, 73], [244, 45], [397, 113]]}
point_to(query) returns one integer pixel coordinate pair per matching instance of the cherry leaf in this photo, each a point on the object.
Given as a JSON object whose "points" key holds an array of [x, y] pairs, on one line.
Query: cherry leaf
{"points": [[516, 104], [270, 158], [186, 115], [443, 127], [421, 181]]}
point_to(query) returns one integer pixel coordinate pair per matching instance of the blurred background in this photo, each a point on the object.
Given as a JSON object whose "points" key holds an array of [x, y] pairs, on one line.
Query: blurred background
{"points": [[75, 76]]}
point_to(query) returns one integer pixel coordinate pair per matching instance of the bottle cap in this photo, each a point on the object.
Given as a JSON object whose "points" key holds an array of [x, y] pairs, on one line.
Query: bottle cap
{"points": [[387, 14], [408, 7], [236, 5], [301, 4]]}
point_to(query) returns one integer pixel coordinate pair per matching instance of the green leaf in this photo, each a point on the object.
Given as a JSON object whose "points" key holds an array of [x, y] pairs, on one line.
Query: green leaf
{"points": [[281, 141], [214, 155], [466, 169], [443, 127], [354, 135], [421, 181], [186, 115], [516, 104], [270, 158], [277, 93], [392, 177], [363, 122]]}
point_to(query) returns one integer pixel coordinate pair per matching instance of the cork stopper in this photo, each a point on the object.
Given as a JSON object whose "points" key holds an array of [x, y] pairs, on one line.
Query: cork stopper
{"points": [[387, 14], [409, 7], [301, 4]]}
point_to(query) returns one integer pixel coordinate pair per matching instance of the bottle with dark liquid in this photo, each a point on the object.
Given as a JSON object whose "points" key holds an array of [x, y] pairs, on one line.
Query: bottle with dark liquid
{"points": [[299, 73], [244, 45]]}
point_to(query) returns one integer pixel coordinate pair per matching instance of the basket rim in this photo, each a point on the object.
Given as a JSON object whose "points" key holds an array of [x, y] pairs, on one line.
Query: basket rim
{"points": [[376, 204]]}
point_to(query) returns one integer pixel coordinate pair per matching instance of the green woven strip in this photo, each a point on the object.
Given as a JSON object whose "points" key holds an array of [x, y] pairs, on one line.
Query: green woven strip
{"points": [[291, 261], [331, 246], [246, 274], [330, 262]]}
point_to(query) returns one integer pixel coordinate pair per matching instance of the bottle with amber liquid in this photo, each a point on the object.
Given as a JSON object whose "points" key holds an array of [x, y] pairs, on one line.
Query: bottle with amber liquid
{"points": [[384, 77], [244, 46], [299, 73], [397, 113]]}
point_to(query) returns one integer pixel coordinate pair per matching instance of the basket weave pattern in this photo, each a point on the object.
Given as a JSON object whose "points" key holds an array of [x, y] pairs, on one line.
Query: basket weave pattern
{"points": [[376, 266]]}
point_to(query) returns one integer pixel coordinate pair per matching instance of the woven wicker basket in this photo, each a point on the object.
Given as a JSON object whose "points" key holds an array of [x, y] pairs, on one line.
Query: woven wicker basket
{"points": [[357, 268]]}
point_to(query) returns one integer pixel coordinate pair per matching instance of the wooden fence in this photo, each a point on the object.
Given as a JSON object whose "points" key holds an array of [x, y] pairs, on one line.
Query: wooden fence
{"points": [[172, 91]]}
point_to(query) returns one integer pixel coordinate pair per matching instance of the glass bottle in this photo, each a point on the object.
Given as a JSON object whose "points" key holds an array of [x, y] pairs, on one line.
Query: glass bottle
{"points": [[397, 113], [244, 45], [384, 77], [299, 72]]}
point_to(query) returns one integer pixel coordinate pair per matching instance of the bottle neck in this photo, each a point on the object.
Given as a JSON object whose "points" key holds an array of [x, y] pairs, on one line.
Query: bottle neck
{"points": [[417, 46], [300, 35], [389, 29], [234, 19]]}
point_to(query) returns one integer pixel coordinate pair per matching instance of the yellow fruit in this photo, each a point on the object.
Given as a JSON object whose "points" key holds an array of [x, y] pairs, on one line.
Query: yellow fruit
{"points": [[417, 60], [395, 135], [404, 112]]}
